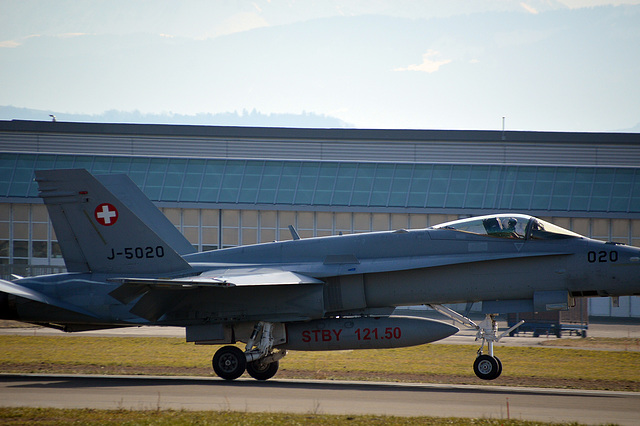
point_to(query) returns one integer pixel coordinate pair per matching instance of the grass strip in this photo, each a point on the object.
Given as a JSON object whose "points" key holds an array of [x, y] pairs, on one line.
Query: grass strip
{"points": [[523, 366], [53, 416]]}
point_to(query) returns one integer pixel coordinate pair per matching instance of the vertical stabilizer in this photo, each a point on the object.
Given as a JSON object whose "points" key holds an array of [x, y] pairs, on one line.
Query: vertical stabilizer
{"points": [[97, 232], [128, 192]]}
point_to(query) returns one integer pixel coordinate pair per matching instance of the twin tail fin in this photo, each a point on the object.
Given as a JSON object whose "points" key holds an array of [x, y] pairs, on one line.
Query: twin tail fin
{"points": [[99, 233]]}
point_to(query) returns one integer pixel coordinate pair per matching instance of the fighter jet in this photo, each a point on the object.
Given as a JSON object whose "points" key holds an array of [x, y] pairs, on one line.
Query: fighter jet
{"points": [[129, 266]]}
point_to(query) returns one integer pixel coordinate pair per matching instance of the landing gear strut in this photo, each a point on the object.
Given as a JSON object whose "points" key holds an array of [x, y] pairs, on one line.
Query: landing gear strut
{"points": [[259, 359], [486, 366]]}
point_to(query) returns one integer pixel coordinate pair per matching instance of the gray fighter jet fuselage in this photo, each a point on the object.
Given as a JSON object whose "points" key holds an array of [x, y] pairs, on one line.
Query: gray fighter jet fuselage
{"points": [[322, 293]]}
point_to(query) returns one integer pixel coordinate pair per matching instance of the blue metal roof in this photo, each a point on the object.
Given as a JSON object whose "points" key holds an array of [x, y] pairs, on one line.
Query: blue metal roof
{"points": [[302, 134], [340, 184]]}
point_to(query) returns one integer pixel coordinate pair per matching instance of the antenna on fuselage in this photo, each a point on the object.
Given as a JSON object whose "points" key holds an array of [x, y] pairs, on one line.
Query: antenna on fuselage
{"points": [[294, 233]]}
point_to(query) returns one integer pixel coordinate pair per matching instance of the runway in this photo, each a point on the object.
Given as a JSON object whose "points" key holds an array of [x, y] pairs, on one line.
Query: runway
{"points": [[319, 397]]}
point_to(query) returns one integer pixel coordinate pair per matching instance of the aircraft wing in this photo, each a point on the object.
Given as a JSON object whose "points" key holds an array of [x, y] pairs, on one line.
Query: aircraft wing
{"points": [[14, 289], [228, 279], [134, 287], [159, 296]]}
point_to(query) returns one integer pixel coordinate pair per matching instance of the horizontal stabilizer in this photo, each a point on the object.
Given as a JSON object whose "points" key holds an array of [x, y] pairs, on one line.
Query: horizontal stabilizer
{"points": [[14, 289]]}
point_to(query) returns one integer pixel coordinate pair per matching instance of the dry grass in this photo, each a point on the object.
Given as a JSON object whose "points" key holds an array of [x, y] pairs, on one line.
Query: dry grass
{"points": [[50, 416], [604, 343], [523, 366]]}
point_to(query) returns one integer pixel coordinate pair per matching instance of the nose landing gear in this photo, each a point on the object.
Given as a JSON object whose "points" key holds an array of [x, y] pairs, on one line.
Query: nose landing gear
{"points": [[486, 366]]}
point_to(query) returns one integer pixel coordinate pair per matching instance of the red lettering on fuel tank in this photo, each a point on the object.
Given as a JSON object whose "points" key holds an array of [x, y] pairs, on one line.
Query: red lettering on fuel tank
{"points": [[321, 335], [337, 333]]}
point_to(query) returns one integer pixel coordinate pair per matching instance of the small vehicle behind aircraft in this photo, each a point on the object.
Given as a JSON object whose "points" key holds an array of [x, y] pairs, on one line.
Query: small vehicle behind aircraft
{"points": [[129, 266]]}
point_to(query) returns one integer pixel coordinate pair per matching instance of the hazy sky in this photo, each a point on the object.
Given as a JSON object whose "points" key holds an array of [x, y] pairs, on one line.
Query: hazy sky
{"points": [[544, 64]]}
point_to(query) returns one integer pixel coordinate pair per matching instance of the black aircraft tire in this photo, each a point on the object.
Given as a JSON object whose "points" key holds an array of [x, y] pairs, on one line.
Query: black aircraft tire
{"points": [[260, 371], [486, 367], [229, 362], [499, 372]]}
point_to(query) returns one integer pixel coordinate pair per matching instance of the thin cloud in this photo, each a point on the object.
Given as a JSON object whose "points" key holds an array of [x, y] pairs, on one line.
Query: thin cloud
{"points": [[429, 63], [70, 35], [528, 8], [578, 4], [11, 44], [241, 22]]}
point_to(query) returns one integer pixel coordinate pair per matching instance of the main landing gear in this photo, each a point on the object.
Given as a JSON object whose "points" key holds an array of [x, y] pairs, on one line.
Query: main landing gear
{"points": [[259, 359], [486, 366]]}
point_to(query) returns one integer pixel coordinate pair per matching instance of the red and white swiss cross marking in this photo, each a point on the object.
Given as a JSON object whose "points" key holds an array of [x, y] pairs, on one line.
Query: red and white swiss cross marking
{"points": [[106, 214]]}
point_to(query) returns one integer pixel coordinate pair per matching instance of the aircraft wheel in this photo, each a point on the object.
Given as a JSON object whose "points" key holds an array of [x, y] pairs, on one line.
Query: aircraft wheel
{"points": [[261, 371], [229, 362], [487, 367], [499, 372]]}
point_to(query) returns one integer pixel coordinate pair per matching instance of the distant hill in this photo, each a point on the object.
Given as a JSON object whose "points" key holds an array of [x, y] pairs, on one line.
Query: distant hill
{"points": [[559, 69], [634, 129], [244, 118]]}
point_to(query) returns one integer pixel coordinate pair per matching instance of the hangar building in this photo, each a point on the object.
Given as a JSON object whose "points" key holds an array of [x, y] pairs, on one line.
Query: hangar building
{"points": [[226, 186]]}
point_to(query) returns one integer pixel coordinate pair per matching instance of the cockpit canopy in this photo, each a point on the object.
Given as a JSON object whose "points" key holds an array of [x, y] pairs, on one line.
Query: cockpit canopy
{"points": [[512, 226]]}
